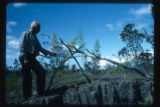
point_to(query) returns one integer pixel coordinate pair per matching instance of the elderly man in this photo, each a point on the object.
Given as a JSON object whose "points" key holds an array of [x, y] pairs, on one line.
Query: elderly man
{"points": [[29, 49]]}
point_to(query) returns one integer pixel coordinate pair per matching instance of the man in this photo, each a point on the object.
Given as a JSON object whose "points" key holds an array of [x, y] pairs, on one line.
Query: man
{"points": [[29, 49]]}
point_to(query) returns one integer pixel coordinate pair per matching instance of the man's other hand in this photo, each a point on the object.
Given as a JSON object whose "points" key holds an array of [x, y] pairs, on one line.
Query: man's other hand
{"points": [[53, 54], [25, 61]]}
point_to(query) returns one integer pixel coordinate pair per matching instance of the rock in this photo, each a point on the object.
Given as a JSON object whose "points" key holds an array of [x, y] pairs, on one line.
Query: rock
{"points": [[126, 92], [53, 99], [120, 92]]}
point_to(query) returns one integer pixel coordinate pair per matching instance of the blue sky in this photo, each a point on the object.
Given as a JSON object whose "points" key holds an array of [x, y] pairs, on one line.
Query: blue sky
{"points": [[97, 21]]}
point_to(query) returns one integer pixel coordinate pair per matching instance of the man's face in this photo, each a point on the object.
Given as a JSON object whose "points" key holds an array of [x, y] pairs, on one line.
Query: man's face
{"points": [[36, 29]]}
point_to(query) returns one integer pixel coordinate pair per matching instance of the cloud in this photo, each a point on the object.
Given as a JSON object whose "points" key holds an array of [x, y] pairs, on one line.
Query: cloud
{"points": [[18, 5], [9, 24], [14, 43], [10, 54], [152, 52], [64, 47], [10, 37], [119, 24], [76, 46], [103, 63], [140, 26], [116, 26], [141, 11], [118, 60], [110, 26]]}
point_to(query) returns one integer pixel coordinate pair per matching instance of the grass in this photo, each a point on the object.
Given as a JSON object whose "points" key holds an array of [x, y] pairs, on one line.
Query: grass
{"points": [[70, 81], [61, 73]]}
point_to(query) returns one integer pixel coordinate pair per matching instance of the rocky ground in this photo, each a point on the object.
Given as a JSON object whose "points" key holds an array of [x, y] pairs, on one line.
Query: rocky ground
{"points": [[105, 89]]}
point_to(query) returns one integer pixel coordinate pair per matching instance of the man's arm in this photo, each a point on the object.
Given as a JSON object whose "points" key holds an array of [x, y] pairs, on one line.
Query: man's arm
{"points": [[46, 52], [23, 44]]}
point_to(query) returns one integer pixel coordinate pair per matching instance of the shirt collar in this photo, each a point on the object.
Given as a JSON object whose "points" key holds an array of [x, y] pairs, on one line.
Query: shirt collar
{"points": [[32, 33]]}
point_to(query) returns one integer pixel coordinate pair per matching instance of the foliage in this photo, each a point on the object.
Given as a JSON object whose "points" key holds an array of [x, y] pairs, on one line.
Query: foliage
{"points": [[123, 53], [95, 62], [59, 61], [73, 68], [133, 39], [80, 40], [133, 49], [149, 37], [145, 61], [73, 42]]}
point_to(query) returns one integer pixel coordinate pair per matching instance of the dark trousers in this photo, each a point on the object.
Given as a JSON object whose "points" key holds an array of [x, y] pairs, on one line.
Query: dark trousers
{"points": [[34, 65]]}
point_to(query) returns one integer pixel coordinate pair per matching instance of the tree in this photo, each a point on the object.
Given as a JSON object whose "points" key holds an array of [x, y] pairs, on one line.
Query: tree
{"points": [[123, 53], [96, 51], [146, 61], [57, 62], [16, 66], [80, 39], [81, 43], [149, 37], [133, 40], [73, 68]]}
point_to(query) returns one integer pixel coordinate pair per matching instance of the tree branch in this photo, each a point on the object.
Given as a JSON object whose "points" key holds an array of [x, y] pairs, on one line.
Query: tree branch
{"points": [[114, 62], [88, 80]]}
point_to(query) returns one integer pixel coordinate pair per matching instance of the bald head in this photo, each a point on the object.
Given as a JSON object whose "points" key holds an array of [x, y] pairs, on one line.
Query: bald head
{"points": [[35, 27]]}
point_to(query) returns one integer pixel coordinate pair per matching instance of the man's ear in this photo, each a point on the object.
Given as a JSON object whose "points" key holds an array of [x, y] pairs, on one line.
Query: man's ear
{"points": [[39, 29]]}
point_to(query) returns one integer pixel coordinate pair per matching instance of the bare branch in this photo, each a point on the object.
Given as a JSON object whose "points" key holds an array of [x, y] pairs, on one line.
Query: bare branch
{"points": [[88, 80]]}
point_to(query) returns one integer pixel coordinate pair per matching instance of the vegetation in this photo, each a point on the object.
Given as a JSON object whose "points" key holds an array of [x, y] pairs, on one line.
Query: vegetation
{"points": [[71, 81]]}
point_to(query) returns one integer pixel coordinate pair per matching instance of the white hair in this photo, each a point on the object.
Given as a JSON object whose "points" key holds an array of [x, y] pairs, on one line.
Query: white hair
{"points": [[35, 24]]}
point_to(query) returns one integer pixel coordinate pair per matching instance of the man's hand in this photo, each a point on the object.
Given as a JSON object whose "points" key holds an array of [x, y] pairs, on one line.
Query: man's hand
{"points": [[53, 54], [25, 61]]}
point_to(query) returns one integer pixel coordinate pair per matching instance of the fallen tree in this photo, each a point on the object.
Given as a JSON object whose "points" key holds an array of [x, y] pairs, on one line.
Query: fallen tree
{"points": [[107, 59], [73, 50]]}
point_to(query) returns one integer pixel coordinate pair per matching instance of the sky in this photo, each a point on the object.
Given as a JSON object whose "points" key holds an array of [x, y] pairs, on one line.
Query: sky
{"points": [[96, 21]]}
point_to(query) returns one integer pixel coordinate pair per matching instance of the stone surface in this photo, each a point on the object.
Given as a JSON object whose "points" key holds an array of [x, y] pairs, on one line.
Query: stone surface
{"points": [[113, 92], [120, 92]]}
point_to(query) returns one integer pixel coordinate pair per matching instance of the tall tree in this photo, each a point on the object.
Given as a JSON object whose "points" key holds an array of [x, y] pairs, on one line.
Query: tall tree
{"points": [[149, 37], [145, 60], [16, 65], [96, 51], [81, 43], [133, 40]]}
